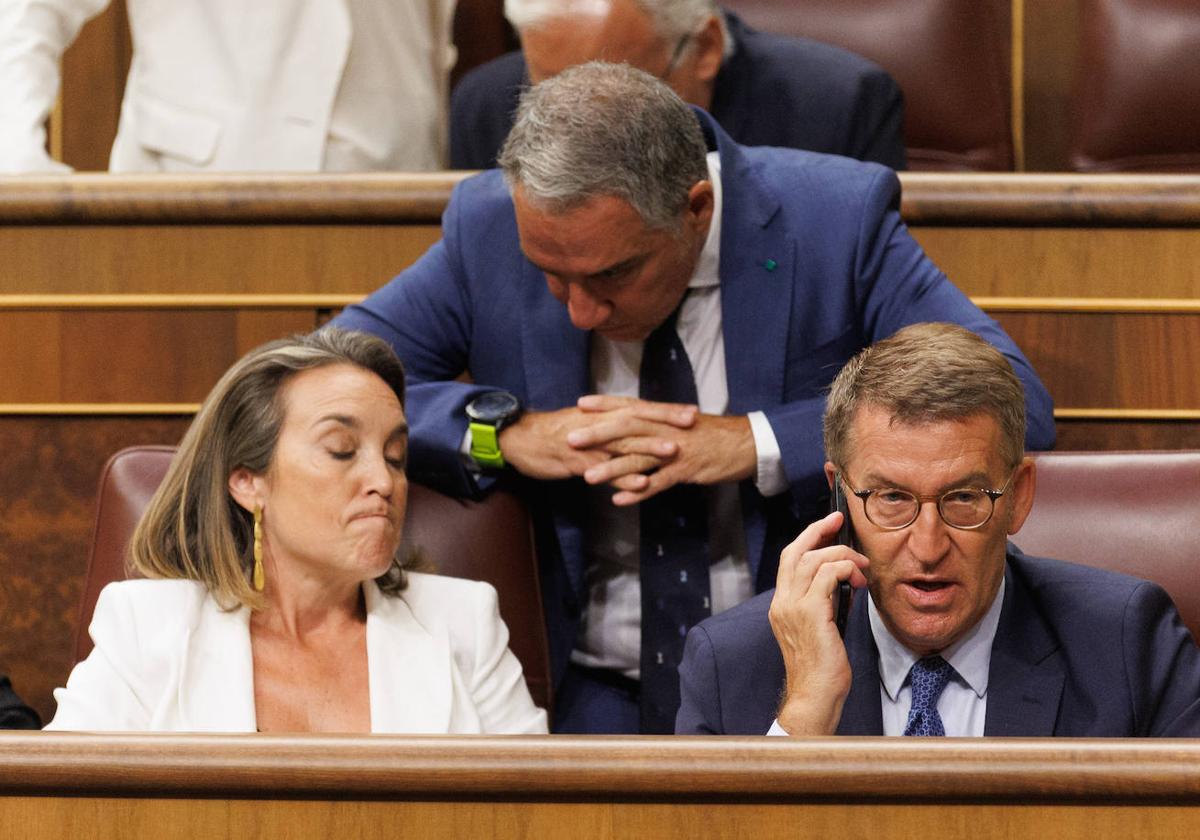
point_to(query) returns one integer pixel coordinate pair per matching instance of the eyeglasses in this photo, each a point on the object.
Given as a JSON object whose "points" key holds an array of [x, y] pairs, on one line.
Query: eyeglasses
{"points": [[673, 64], [965, 508]]}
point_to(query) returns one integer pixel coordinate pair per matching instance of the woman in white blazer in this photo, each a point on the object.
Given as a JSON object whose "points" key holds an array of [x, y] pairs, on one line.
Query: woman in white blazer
{"points": [[274, 600], [232, 85]]}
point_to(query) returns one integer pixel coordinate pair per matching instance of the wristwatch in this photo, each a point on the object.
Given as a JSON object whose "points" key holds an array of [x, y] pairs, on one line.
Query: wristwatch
{"points": [[487, 414]]}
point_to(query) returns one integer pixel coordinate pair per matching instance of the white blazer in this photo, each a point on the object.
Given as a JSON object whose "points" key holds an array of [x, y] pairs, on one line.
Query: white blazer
{"points": [[169, 659], [229, 85]]}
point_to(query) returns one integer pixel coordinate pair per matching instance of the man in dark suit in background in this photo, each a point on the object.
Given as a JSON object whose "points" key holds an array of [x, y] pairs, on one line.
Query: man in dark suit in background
{"points": [[958, 632], [763, 89], [13, 713]]}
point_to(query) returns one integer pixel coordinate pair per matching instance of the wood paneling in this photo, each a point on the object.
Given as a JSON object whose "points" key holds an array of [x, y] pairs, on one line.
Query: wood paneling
{"points": [[161, 355], [93, 82], [132, 786], [49, 470]]}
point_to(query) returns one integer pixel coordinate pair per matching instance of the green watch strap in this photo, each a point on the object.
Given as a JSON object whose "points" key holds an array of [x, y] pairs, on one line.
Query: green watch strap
{"points": [[485, 445]]}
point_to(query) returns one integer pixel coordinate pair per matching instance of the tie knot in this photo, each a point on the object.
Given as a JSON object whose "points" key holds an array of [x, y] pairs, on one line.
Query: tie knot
{"points": [[928, 677]]}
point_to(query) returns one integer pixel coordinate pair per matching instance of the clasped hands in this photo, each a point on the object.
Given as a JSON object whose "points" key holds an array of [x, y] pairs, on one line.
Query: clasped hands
{"points": [[638, 447]]}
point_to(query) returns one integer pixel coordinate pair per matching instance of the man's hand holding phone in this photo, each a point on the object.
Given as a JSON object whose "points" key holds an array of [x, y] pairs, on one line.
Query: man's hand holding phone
{"points": [[802, 619]]}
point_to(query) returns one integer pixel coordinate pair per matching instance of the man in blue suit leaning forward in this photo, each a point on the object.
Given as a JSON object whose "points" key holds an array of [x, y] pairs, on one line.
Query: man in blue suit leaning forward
{"points": [[649, 315], [955, 631]]}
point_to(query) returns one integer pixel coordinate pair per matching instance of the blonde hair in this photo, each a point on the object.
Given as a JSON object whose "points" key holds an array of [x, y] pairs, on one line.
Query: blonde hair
{"points": [[927, 373], [192, 528]]}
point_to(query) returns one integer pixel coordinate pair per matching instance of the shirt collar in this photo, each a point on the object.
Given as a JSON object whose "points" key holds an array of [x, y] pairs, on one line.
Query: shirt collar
{"points": [[970, 656], [707, 271]]}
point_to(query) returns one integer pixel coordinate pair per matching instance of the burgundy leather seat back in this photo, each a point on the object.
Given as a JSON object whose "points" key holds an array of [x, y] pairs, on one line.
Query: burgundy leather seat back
{"points": [[1131, 512], [1137, 88], [491, 540], [951, 58]]}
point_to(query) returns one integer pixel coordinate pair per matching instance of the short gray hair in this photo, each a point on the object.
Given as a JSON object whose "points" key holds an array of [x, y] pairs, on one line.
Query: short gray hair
{"points": [[606, 130], [927, 373], [672, 19]]}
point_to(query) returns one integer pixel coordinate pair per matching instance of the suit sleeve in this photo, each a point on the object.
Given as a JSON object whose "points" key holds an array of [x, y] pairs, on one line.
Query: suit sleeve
{"points": [[13, 713], [1162, 666], [105, 691], [425, 313], [33, 36], [699, 691], [498, 687], [895, 284]]}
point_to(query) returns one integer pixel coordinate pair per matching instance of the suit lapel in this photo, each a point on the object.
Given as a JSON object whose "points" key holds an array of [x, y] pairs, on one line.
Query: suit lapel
{"points": [[410, 669], [757, 269], [862, 713], [216, 688], [1025, 679], [555, 351]]}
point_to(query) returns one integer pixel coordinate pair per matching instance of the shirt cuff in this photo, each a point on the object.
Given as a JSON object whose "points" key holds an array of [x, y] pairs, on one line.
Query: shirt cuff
{"points": [[769, 478], [464, 452], [776, 729]]}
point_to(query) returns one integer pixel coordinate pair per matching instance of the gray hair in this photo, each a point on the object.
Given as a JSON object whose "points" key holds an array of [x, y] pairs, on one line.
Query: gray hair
{"points": [[606, 130], [927, 373], [192, 528], [672, 19]]}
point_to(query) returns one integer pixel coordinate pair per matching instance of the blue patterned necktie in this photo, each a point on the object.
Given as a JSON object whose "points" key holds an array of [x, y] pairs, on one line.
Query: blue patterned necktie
{"points": [[674, 546], [928, 677]]}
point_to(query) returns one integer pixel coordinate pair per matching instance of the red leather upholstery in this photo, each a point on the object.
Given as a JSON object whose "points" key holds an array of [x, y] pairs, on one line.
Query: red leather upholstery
{"points": [[490, 540], [951, 58], [1131, 512], [1137, 89]]}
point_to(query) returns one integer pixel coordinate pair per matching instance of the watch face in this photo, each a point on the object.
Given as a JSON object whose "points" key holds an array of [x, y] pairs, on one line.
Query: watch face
{"points": [[493, 407]]}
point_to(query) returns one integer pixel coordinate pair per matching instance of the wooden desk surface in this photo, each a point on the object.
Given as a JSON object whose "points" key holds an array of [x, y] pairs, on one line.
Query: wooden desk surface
{"points": [[52, 784]]}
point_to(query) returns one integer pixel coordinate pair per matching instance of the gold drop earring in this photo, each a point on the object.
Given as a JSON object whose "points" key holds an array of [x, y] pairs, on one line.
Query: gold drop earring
{"points": [[259, 578]]}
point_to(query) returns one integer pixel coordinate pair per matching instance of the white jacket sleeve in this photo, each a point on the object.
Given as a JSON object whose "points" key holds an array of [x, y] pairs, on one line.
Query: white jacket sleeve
{"points": [[106, 691], [33, 36], [497, 684]]}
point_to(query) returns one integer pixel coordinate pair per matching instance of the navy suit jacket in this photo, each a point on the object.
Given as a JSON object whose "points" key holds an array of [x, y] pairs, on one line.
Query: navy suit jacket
{"points": [[1078, 652], [815, 264], [773, 91], [13, 713]]}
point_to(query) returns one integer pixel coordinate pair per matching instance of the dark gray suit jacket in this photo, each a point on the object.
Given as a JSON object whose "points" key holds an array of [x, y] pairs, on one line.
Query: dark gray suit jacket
{"points": [[1078, 652], [13, 713], [773, 91]]}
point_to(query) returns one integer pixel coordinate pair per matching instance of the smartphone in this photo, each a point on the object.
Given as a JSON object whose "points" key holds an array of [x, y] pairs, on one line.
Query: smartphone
{"points": [[841, 598]]}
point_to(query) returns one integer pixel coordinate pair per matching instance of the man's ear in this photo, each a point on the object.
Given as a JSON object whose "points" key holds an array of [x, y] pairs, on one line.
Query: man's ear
{"points": [[246, 488], [700, 205], [1023, 489], [830, 473], [710, 50]]}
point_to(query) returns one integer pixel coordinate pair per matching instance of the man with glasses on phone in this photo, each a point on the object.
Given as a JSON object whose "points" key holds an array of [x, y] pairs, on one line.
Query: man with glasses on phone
{"points": [[953, 631], [764, 89]]}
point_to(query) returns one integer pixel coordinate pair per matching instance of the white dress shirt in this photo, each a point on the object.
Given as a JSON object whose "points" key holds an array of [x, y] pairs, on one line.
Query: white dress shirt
{"points": [[611, 630], [963, 702]]}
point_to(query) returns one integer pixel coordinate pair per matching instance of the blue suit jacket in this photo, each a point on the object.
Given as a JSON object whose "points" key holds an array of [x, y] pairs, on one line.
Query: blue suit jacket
{"points": [[1078, 652], [773, 91], [815, 265]]}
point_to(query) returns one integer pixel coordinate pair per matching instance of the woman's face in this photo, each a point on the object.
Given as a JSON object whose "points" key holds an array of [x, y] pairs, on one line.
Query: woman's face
{"points": [[333, 497]]}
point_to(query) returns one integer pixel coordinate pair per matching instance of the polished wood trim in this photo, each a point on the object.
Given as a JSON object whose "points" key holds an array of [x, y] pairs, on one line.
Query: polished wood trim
{"points": [[177, 301], [930, 199], [335, 301], [1185, 306], [99, 409], [1017, 56], [1170, 414], [176, 409], [101, 198], [626, 768], [1051, 200]]}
